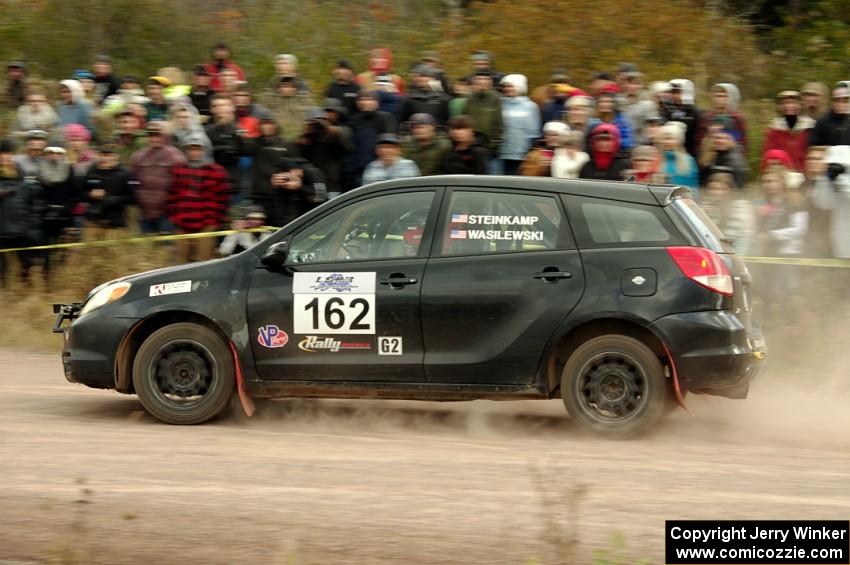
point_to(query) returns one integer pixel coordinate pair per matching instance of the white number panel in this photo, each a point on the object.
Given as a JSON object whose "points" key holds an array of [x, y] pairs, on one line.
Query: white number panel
{"points": [[334, 314]]}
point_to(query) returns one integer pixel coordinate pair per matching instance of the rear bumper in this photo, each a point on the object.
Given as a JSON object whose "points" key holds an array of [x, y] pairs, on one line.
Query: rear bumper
{"points": [[90, 346], [713, 352]]}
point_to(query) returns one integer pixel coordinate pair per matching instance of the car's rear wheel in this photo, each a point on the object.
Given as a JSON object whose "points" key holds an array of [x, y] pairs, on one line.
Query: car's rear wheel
{"points": [[614, 386], [183, 374]]}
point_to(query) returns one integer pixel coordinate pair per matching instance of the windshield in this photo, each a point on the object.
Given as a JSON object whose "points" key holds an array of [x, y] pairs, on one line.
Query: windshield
{"points": [[710, 235]]}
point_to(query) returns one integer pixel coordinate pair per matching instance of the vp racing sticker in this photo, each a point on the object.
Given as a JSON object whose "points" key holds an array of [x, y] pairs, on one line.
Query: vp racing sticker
{"points": [[272, 337]]}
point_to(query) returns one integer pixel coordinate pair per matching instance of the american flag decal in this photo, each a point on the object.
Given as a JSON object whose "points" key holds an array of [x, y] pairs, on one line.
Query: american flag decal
{"points": [[458, 234]]}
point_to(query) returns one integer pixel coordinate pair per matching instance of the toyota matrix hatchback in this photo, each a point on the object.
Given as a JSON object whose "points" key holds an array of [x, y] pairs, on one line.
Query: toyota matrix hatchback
{"points": [[619, 298]]}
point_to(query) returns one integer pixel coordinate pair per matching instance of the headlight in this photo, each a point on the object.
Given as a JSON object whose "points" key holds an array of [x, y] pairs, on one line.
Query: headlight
{"points": [[109, 293]]}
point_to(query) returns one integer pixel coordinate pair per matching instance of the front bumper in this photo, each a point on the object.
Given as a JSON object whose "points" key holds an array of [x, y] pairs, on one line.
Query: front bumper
{"points": [[713, 351], [90, 346]]}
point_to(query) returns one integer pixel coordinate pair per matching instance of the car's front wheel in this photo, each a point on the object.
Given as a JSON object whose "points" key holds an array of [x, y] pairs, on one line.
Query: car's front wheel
{"points": [[183, 374], [614, 386]]}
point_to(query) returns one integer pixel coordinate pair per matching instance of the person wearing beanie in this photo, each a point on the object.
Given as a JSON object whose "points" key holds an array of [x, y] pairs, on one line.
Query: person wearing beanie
{"points": [[197, 199], [73, 108], [18, 211], [28, 162], [221, 55], [80, 154], [634, 101], [253, 218], [389, 165], [107, 190], [153, 166], [676, 163], [15, 90], [570, 157], [725, 99], [482, 62], [268, 150], [790, 130], [200, 95], [106, 83], [290, 108], [520, 123], [422, 98], [605, 162], [834, 127], [325, 144], [539, 162], [431, 60], [343, 87], [425, 147], [366, 125], [484, 108], [646, 166]]}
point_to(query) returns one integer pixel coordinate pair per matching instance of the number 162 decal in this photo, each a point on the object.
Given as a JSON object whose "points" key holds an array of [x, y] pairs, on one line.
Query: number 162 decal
{"points": [[334, 314]]}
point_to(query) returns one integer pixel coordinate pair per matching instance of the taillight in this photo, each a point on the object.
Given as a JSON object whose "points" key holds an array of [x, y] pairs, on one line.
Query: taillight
{"points": [[704, 267]]}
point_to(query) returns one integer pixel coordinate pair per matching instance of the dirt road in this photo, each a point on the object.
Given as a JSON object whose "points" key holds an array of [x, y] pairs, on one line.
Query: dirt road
{"points": [[87, 477]]}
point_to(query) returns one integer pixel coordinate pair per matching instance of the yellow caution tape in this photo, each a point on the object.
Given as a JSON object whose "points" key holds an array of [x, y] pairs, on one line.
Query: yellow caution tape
{"points": [[799, 261], [792, 261], [141, 239]]}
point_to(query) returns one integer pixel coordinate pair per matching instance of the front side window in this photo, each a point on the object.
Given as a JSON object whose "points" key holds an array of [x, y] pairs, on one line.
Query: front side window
{"points": [[389, 226], [493, 222]]}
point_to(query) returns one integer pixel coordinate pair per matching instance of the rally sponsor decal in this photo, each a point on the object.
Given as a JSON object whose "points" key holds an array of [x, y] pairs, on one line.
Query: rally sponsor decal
{"points": [[272, 336], [485, 220], [333, 303], [390, 345], [170, 288], [333, 283], [315, 344]]}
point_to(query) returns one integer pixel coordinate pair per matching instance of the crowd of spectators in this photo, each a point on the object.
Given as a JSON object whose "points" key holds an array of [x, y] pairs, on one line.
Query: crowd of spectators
{"points": [[96, 153]]}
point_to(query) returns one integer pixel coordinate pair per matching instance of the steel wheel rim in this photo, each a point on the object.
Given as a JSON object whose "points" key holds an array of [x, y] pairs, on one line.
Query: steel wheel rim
{"points": [[183, 373], [612, 388]]}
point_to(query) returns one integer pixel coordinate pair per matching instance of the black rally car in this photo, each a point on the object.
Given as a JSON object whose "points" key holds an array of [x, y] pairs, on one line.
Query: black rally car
{"points": [[617, 297]]}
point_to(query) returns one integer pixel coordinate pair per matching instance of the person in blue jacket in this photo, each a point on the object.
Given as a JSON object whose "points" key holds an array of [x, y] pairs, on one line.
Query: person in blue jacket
{"points": [[676, 163], [608, 113], [520, 123]]}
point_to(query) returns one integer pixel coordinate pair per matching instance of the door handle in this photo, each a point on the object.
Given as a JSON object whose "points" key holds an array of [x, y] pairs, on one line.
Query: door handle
{"points": [[552, 276], [398, 281]]}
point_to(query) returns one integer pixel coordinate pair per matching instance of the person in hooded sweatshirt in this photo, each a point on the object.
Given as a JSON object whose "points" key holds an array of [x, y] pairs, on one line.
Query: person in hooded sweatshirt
{"points": [[834, 127], [153, 167], [789, 131], [422, 98], [520, 123], [268, 150], [18, 209], [197, 200], [676, 163], [720, 153], [467, 156], [680, 107], [185, 121], [73, 107], [725, 98], [57, 196], [344, 88], [605, 162], [36, 113]]}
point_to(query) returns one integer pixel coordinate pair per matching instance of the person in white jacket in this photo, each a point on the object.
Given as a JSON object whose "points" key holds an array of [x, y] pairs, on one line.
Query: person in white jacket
{"points": [[832, 192], [570, 157]]}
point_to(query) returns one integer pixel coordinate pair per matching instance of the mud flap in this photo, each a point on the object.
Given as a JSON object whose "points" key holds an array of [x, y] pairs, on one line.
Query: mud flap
{"points": [[244, 398], [680, 400]]}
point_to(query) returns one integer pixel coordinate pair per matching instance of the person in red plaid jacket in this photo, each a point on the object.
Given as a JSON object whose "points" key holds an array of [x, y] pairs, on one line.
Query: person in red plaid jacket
{"points": [[198, 200]]}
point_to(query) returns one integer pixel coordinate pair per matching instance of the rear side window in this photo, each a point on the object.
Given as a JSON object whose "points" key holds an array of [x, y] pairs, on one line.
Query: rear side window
{"points": [[710, 235], [496, 222], [604, 223]]}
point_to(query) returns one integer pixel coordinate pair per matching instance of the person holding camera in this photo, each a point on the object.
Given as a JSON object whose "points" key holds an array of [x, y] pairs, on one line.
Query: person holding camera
{"points": [[228, 143], [295, 187], [324, 143]]}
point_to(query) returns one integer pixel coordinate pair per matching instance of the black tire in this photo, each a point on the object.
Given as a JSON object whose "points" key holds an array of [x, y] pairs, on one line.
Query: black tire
{"points": [[614, 386], [184, 374]]}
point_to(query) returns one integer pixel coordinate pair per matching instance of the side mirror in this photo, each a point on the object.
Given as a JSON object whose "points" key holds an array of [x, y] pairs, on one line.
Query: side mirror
{"points": [[275, 256]]}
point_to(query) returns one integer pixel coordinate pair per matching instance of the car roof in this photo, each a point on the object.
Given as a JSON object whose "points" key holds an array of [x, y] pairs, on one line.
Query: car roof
{"points": [[612, 190]]}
